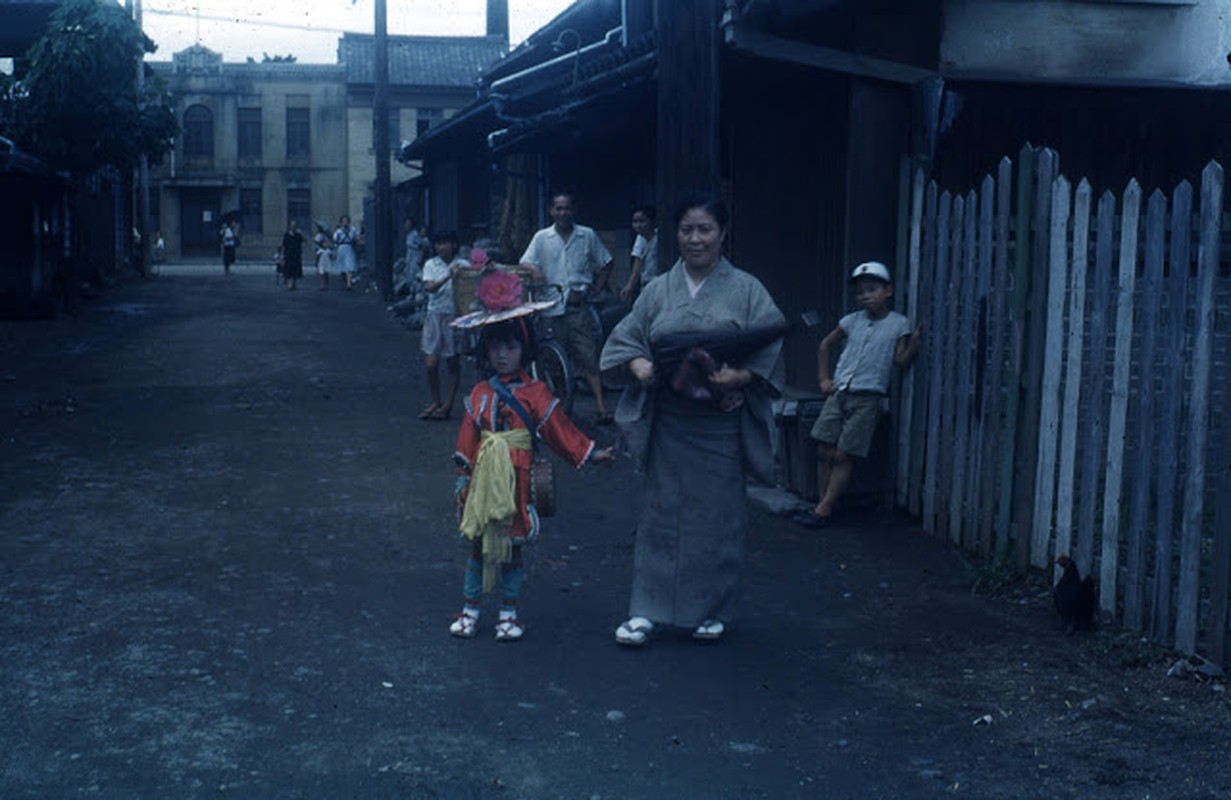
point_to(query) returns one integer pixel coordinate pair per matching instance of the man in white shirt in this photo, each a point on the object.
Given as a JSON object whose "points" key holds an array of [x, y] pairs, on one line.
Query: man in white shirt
{"points": [[572, 257]]}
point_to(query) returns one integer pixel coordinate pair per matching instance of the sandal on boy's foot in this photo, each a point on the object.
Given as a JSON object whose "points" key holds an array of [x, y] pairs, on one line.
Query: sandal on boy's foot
{"points": [[711, 630], [604, 418], [440, 414], [428, 411], [509, 629], [635, 632], [465, 624]]}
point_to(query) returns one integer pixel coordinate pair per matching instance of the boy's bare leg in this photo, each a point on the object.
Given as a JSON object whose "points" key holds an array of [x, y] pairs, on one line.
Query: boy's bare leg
{"points": [[433, 378], [839, 468], [453, 365]]}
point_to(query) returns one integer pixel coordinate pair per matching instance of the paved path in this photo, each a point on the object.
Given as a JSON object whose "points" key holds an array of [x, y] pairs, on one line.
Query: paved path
{"points": [[227, 566]]}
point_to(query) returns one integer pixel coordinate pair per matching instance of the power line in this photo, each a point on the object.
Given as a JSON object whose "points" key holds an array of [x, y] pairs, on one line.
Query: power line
{"points": [[249, 22]]}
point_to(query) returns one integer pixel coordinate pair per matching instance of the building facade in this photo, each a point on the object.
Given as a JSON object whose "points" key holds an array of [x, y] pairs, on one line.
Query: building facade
{"points": [[259, 143]]}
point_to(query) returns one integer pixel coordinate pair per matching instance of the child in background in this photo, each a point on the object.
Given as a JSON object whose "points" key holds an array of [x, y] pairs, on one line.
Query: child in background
{"points": [[504, 415], [876, 340], [324, 258], [440, 339]]}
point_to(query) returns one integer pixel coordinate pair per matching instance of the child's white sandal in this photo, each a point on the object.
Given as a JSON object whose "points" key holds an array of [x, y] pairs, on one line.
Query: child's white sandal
{"points": [[465, 624]]}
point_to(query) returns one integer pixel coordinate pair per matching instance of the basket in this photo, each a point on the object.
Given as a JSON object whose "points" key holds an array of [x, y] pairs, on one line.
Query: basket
{"points": [[466, 287], [465, 290]]}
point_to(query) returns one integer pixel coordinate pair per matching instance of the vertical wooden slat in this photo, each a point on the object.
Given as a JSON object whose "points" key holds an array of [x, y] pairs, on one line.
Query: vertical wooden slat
{"points": [[1092, 436], [1169, 425], [979, 418], [996, 539], [906, 403], [1198, 421], [1143, 475], [964, 286], [1034, 358], [922, 372], [1049, 399], [1016, 321], [1130, 221], [936, 377], [1219, 629], [1065, 485], [949, 391]]}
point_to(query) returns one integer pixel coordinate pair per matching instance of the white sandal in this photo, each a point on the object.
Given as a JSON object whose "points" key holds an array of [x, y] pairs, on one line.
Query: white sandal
{"points": [[509, 629], [709, 630], [635, 632], [464, 624]]}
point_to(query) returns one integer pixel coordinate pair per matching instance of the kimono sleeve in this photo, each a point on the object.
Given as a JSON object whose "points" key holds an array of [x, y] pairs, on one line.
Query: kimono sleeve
{"points": [[468, 434], [559, 432]]}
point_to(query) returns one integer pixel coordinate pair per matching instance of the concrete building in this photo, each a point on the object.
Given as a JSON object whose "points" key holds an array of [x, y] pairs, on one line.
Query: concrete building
{"points": [[261, 142]]}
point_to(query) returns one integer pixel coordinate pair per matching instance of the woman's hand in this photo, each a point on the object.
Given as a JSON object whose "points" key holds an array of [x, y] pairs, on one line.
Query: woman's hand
{"points": [[730, 378], [642, 369]]}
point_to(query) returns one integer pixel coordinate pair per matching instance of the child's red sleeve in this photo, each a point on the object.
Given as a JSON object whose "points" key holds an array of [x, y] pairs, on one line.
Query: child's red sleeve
{"points": [[468, 434], [559, 432]]}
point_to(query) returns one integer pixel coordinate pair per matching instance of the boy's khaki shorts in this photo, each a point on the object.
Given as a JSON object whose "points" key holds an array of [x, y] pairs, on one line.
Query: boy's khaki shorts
{"points": [[848, 422]]}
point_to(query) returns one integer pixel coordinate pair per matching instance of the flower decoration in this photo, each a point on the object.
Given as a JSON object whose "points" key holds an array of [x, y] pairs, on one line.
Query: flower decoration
{"points": [[479, 258], [500, 291]]}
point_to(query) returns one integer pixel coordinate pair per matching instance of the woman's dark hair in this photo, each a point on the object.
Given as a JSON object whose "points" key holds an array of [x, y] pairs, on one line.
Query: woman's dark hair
{"points": [[518, 329], [647, 209], [706, 201]]}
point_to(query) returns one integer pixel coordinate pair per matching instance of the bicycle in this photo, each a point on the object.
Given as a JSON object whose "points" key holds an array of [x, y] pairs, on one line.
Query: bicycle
{"points": [[551, 364]]}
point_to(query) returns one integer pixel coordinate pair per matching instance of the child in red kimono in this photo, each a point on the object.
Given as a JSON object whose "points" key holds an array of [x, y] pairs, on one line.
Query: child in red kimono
{"points": [[504, 416]]}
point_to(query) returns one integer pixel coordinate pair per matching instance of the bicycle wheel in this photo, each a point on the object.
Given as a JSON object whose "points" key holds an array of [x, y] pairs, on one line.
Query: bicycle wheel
{"points": [[552, 368]]}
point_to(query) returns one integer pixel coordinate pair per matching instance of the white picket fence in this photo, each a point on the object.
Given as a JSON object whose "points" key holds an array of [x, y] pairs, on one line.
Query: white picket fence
{"points": [[1064, 399]]}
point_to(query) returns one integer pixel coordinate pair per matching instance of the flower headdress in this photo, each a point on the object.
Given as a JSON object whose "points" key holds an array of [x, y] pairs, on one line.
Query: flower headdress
{"points": [[500, 293]]}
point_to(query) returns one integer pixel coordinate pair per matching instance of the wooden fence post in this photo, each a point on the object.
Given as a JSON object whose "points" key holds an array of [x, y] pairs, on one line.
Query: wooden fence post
{"points": [[1049, 399], [1109, 561], [1143, 477], [1034, 357], [980, 541], [964, 293], [1065, 484], [1186, 616], [1005, 520], [906, 403], [996, 431], [936, 407], [948, 423], [1169, 425], [924, 412]]}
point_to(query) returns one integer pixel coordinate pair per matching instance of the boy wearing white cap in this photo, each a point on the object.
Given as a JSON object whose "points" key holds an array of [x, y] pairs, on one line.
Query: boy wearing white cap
{"points": [[876, 340]]}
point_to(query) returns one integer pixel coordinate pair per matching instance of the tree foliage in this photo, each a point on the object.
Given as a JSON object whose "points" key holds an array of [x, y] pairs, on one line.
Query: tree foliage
{"points": [[78, 108]]}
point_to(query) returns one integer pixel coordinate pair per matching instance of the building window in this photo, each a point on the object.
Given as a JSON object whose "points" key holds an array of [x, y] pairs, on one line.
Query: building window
{"points": [[297, 133], [198, 133], [250, 211], [299, 208], [250, 133], [428, 118]]}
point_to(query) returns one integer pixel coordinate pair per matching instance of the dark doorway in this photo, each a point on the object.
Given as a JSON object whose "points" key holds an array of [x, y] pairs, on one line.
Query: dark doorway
{"points": [[200, 221]]}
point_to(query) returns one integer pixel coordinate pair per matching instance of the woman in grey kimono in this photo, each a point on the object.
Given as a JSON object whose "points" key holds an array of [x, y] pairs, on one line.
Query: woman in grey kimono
{"points": [[702, 345]]}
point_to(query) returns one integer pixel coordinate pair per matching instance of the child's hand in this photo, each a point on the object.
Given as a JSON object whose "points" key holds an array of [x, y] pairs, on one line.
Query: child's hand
{"points": [[604, 456]]}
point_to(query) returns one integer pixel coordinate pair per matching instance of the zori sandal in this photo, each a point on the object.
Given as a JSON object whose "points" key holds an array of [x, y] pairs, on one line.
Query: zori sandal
{"points": [[464, 624], [635, 632], [509, 629], [710, 630]]}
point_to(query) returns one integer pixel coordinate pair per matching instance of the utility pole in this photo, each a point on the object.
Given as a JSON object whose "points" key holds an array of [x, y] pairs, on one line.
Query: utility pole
{"points": [[143, 170], [381, 232]]}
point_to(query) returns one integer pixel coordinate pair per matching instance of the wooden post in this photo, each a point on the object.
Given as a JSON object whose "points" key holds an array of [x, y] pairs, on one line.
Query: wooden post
{"points": [[980, 419], [1143, 474], [1032, 379], [1109, 560], [688, 93], [1169, 425], [996, 431], [1049, 400], [1065, 484], [912, 264], [921, 420], [936, 375], [1005, 519], [1186, 610], [381, 230], [948, 457]]}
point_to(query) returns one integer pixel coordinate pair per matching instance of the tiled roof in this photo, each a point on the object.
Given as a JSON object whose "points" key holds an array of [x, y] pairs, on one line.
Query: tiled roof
{"points": [[430, 61]]}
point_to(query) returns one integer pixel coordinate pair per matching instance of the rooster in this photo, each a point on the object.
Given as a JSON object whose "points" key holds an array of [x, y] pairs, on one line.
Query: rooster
{"points": [[1075, 597]]}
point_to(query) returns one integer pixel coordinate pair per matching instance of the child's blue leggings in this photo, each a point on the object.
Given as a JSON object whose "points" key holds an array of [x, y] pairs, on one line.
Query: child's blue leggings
{"points": [[511, 576]]}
